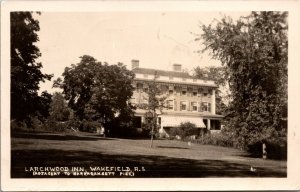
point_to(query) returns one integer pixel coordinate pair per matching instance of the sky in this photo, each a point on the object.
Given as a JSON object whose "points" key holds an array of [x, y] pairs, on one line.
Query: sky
{"points": [[156, 39]]}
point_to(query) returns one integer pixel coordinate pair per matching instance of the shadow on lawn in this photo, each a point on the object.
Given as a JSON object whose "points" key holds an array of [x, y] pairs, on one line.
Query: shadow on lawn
{"points": [[171, 147], [62, 137], [156, 166]]}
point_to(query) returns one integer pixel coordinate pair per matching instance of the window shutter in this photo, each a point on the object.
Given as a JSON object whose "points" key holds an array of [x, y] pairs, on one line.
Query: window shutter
{"points": [[201, 107], [175, 105], [209, 107]]}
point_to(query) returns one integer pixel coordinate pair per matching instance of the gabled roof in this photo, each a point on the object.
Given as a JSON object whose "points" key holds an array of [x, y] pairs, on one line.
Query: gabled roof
{"points": [[161, 72]]}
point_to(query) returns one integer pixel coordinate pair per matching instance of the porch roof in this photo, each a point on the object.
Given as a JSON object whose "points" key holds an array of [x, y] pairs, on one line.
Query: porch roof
{"points": [[174, 121]]}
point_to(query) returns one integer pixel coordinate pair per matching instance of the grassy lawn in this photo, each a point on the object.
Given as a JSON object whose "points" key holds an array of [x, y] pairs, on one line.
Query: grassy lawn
{"points": [[168, 158]]}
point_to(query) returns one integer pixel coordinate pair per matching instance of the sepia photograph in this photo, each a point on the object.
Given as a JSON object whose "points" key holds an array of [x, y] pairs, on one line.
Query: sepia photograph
{"points": [[147, 93]]}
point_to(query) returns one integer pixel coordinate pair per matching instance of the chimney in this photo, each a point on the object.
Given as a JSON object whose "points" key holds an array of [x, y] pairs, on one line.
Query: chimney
{"points": [[134, 63], [176, 67]]}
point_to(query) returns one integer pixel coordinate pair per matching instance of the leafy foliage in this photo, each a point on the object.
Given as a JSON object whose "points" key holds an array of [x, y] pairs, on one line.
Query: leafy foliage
{"points": [[156, 101], [186, 129], [219, 139], [25, 70], [254, 51], [97, 91], [59, 110], [218, 75]]}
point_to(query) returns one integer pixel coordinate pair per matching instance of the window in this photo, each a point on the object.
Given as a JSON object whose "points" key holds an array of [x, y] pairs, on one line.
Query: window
{"points": [[205, 94], [171, 92], [146, 90], [206, 107], [195, 94], [170, 104], [183, 92], [183, 105], [194, 106]]}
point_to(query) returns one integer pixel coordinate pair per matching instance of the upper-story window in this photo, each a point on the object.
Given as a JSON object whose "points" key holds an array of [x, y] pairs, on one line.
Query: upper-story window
{"points": [[194, 93], [205, 94], [183, 92], [146, 89], [206, 107], [183, 105], [194, 106], [170, 104], [171, 92]]}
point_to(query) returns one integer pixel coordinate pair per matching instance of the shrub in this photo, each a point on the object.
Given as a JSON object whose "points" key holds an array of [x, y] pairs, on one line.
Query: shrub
{"points": [[275, 149], [185, 130], [90, 126], [18, 125], [219, 139]]}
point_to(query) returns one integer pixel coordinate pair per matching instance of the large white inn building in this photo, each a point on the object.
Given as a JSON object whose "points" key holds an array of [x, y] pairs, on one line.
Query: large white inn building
{"points": [[188, 99]]}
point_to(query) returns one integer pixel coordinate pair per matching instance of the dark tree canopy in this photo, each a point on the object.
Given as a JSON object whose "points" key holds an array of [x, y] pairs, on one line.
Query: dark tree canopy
{"points": [[254, 51], [97, 91], [59, 110], [25, 70], [218, 75]]}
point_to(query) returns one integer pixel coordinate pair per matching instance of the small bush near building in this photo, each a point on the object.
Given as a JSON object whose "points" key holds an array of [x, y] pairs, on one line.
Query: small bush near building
{"points": [[219, 139], [184, 131]]}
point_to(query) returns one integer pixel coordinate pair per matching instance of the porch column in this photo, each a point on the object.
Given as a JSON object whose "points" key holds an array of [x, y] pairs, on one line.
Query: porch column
{"points": [[208, 124], [142, 119], [213, 102]]}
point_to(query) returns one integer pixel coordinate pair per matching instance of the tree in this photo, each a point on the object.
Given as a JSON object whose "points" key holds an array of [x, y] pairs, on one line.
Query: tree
{"points": [[60, 115], [59, 110], [186, 129], [156, 101], [97, 91], [218, 75], [25, 70], [254, 51]]}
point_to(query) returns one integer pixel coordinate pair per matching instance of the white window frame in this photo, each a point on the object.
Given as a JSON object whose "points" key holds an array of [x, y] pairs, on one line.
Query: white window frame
{"points": [[196, 104], [172, 101], [186, 105], [207, 106]]}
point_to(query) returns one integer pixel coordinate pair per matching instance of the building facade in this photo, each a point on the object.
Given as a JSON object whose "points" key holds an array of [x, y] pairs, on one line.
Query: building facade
{"points": [[187, 99]]}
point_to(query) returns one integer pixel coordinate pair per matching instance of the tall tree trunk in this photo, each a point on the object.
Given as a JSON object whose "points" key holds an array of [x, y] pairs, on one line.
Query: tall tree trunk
{"points": [[152, 136]]}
